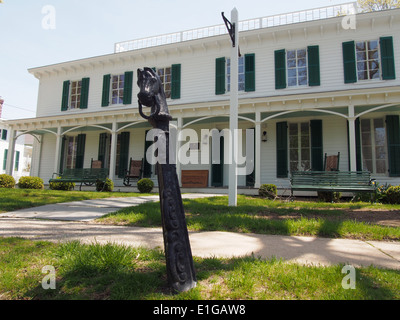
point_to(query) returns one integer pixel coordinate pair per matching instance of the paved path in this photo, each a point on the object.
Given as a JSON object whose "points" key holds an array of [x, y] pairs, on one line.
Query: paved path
{"points": [[63, 226]]}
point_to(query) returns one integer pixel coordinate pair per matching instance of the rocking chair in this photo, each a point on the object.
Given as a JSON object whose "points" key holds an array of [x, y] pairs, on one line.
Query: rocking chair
{"points": [[135, 171]]}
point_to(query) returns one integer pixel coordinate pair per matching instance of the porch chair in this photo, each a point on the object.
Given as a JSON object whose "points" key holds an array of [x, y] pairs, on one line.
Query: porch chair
{"points": [[135, 171], [331, 163]]}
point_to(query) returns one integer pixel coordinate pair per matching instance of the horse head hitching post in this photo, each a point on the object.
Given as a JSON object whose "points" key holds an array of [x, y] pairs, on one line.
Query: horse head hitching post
{"points": [[180, 270]]}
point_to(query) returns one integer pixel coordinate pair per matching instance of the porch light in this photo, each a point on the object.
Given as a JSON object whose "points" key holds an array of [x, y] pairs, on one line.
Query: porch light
{"points": [[264, 136]]}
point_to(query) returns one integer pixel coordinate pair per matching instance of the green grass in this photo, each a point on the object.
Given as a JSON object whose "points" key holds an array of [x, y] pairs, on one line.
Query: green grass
{"points": [[123, 273], [255, 215], [16, 199]]}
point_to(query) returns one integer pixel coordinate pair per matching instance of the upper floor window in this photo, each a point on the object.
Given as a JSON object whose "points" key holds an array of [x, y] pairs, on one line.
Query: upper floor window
{"points": [[246, 74], [117, 89], [368, 64], [75, 94], [170, 77], [368, 60], [297, 67]]}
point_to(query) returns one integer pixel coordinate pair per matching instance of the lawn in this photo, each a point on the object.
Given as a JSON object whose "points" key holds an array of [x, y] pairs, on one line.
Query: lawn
{"points": [[255, 215], [121, 273], [16, 199]]}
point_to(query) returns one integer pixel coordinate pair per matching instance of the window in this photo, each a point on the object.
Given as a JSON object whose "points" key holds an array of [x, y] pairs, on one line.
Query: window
{"points": [[117, 89], [17, 155], [297, 67], [368, 61], [166, 79], [373, 138], [75, 96], [3, 134], [297, 74], [72, 146], [246, 74], [241, 75], [299, 146]]}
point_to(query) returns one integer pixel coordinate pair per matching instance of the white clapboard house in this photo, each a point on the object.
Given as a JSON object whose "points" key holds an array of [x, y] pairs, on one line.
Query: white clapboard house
{"points": [[312, 83]]}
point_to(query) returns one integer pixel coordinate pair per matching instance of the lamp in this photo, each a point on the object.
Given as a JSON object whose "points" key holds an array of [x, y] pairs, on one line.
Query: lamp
{"points": [[264, 136]]}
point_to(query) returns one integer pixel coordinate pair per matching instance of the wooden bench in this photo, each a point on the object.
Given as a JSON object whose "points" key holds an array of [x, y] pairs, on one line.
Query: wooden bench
{"points": [[332, 181], [135, 171], [87, 176]]}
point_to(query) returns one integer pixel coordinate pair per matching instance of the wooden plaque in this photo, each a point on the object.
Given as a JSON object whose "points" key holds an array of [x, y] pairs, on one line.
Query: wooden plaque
{"points": [[194, 178]]}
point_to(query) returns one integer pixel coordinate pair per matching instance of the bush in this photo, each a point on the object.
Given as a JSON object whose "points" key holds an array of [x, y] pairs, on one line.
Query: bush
{"points": [[268, 191], [64, 186], [328, 196], [7, 181], [393, 195], [31, 183], [107, 186], [145, 185]]}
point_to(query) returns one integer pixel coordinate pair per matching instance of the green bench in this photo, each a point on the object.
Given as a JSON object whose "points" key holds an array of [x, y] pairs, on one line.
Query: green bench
{"points": [[332, 181], [82, 176]]}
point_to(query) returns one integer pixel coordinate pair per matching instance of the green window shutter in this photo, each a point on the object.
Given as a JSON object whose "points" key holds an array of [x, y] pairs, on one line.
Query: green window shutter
{"points": [[102, 148], [85, 93], [105, 100], [5, 159], [282, 150], [280, 69], [4, 134], [317, 159], [80, 151], [146, 165], [123, 154], [313, 66], [349, 62], [17, 154], [217, 169], [220, 76], [250, 72], [176, 81], [387, 58], [128, 87], [358, 144], [65, 96], [393, 138]]}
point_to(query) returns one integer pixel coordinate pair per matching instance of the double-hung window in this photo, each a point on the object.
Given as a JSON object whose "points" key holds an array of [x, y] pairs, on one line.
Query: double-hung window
{"points": [[246, 74], [75, 94], [297, 67], [117, 89], [299, 146], [368, 60], [170, 77]]}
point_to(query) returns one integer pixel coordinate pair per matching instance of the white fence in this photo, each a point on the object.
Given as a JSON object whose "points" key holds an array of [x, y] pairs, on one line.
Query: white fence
{"points": [[246, 25]]}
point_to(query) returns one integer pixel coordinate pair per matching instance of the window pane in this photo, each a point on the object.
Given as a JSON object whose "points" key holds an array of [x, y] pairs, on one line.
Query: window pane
{"points": [[291, 63], [301, 53], [294, 155], [365, 125], [293, 129], [380, 166], [305, 154], [372, 45], [291, 54], [292, 73], [292, 82], [293, 142], [360, 46], [361, 56]]}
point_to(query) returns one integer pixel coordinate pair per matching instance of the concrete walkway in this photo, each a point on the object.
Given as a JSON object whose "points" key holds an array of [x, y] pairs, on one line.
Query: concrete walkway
{"points": [[74, 221]]}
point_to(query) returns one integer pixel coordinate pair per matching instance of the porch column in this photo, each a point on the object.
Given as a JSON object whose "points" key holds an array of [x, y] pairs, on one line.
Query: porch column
{"points": [[178, 145], [113, 154], [352, 140], [58, 151], [10, 154], [257, 168]]}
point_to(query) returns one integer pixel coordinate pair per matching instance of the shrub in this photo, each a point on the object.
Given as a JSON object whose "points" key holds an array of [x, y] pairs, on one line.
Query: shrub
{"points": [[64, 186], [393, 195], [7, 181], [145, 185], [107, 186], [268, 191], [31, 183], [328, 196]]}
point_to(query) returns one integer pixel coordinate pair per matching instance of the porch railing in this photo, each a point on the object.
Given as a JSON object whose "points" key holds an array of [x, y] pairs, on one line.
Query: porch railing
{"points": [[246, 25]]}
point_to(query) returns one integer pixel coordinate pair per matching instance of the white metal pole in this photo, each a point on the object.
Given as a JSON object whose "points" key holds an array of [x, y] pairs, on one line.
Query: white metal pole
{"points": [[233, 123]]}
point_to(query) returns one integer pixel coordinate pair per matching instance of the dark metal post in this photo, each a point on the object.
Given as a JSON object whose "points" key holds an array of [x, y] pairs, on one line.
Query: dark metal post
{"points": [[178, 254]]}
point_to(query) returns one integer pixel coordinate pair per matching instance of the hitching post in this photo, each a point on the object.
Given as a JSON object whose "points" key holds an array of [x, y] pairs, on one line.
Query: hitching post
{"points": [[233, 29], [178, 254]]}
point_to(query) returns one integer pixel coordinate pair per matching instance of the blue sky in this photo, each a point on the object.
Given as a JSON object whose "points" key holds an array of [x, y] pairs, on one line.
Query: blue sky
{"points": [[87, 28]]}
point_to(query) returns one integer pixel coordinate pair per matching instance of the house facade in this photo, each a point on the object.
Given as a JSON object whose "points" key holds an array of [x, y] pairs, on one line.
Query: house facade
{"points": [[310, 84]]}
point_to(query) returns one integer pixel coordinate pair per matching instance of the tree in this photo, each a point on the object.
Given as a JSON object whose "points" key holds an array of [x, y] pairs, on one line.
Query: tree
{"points": [[377, 5]]}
